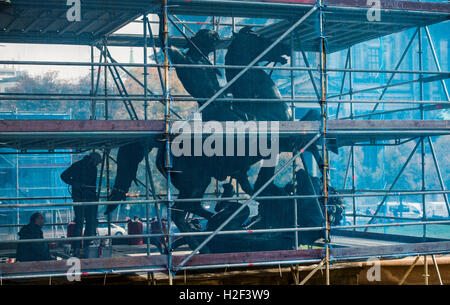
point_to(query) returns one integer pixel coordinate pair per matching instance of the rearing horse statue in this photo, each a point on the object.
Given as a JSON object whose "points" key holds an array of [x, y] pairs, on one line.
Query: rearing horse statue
{"points": [[192, 175]]}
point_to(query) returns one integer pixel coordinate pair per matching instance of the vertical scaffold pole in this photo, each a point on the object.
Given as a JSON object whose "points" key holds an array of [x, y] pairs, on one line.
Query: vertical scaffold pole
{"points": [[147, 205], [350, 84], [97, 83], [168, 161], [107, 151], [92, 83], [145, 74], [145, 21], [105, 77], [294, 164], [323, 104], [422, 117]]}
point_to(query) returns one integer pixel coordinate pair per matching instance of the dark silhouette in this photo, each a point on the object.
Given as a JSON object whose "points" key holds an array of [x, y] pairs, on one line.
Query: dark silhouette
{"points": [[33, 251], [192, 175], [82, 176], [310, 210], [335, 205], [4, 5], [245, 46], [225, 209], [201, 82], [128, 158], [255, 83]]}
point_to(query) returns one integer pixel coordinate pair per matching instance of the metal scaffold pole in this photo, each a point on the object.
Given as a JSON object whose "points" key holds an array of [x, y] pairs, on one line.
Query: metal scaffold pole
{"points": [[168, 155], [352, 152], [105, 79], [422, 117], [92, 84], [294, 165], [324, 110], [145, 75]]}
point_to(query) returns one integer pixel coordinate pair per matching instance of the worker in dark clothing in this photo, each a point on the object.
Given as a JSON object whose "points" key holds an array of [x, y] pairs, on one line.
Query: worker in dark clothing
{"points": [[82, 176], [33, 251]]}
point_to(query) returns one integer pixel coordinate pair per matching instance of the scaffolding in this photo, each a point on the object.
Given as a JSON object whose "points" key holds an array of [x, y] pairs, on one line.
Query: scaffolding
{"points": [[311, 26]]}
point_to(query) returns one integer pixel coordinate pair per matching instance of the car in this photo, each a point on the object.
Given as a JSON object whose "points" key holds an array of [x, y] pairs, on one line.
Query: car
{"points": [[116, 230]]}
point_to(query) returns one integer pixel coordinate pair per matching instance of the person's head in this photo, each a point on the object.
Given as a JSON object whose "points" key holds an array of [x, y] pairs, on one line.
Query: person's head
{"points": [[206, 40], [37, 219], [95, 158]]}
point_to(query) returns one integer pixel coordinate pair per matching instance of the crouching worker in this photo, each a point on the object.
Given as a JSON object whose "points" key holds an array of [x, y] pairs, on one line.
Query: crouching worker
{"points": [[82, 176], [33, 251]]}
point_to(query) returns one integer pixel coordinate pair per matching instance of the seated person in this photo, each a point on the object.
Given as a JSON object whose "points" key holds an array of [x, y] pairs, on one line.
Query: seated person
{"points": [[34, 251]]}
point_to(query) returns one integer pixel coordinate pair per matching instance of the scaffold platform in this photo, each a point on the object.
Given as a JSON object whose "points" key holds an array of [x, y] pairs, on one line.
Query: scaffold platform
{"points": [[85, 135]]}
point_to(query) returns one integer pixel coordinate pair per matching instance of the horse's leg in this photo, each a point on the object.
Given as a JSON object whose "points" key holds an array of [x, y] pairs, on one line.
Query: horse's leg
{"points": [[315, 152], [242, 179], [265, 173], [180, 210], [198, 192], [310, 213]]}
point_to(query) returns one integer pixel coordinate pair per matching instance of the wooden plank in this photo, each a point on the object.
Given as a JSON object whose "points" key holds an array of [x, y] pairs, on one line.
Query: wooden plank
{"points": [[79, 125], [250, 257], [391, 250], [230, 259], [334, 126], [86, 264]]}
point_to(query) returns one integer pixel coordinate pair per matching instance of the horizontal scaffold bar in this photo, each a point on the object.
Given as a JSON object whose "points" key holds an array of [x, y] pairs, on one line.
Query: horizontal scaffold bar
{"points": [[228, 232], [206, 199], [445, 74]]}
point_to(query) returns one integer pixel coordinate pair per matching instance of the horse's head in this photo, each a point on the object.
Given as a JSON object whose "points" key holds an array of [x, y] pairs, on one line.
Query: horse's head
{"points": [[251, 44], [206, 40]]}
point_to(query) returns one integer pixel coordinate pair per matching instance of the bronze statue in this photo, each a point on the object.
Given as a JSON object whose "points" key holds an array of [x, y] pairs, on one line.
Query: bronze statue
{"points": [[246, 45], [128, 158]]}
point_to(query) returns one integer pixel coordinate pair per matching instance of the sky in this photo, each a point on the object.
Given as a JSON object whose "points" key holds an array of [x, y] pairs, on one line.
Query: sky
{"points": [[34, 52]]}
